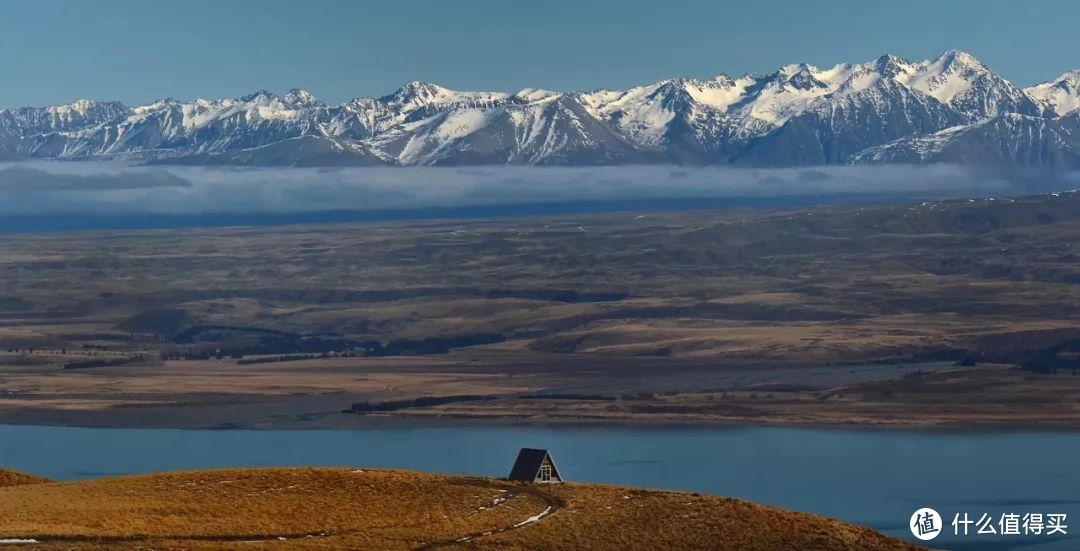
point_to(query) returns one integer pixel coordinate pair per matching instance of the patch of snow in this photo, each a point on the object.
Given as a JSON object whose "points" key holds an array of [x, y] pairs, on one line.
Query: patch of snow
{"points": [[720, 93], [534, 518], [1061, 95], [536, 94], [461, 123]]}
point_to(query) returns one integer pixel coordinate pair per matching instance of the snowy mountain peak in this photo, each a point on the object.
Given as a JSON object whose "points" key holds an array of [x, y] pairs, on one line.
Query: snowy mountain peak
{"points": [[1072, 76], [418, 91], [1061, 95], [262, 97], [79, 114], [962, 82], [301, 99], [800, 114], [417, 94], [80, 106], [891, 66], [792, 69], [947, 76], [803, 79], [535, 94], [954, 58]]}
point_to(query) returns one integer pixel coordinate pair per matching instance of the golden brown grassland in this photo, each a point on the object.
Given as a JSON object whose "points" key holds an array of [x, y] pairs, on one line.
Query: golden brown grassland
{"points": [[301, 508], [15, 478]]}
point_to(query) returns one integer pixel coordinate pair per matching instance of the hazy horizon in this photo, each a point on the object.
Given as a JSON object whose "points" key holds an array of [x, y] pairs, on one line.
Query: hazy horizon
{"points": [[49, 195], [38, 187]]}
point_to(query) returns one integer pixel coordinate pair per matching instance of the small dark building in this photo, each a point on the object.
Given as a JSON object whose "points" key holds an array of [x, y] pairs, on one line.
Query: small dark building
{"points": [[535, 465]]}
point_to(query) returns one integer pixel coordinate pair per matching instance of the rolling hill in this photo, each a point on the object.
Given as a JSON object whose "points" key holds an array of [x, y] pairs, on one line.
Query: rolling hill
{"points": [[303, 508]]}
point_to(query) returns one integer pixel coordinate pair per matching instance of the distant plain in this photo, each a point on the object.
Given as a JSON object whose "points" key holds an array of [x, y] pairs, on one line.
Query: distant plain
{"points": [[834, 314]]}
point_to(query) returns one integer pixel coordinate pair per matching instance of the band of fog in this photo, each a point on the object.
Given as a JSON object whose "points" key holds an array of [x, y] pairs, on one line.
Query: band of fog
{"points": [[103, 188]]}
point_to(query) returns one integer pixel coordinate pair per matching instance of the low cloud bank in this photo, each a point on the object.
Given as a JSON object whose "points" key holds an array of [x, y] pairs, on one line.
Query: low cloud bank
{"points": [[110, 188]]}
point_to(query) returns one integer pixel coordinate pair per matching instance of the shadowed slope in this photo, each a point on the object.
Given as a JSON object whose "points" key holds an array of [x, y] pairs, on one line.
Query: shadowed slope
{"points": [[15, 478]]}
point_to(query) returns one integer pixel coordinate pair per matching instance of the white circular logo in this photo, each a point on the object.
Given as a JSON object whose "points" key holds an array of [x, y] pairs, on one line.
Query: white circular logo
{"points": [[925, 524]]}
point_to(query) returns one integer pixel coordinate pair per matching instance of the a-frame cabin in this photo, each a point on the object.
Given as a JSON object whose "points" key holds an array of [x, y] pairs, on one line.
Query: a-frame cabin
{"points": [[535, 466]]}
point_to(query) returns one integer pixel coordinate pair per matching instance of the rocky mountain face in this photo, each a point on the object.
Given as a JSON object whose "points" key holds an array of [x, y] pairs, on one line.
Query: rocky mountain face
{"points": [[950, 109], [1060, 96], [1006, 141]]}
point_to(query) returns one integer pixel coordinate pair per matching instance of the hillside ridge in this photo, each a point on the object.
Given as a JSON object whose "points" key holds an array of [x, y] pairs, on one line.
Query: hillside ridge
{"points": [[339, 508]]}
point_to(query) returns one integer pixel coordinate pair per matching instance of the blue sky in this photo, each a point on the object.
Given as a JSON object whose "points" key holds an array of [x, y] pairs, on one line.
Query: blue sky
{"points": [[53, 51]]}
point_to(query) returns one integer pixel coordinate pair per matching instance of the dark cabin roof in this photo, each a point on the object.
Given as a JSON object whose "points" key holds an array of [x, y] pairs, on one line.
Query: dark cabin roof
{"points": [[528, 464]]}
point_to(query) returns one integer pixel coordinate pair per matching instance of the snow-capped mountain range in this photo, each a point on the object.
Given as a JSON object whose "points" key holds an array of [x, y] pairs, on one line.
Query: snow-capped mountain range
{"points": [[889, 110]]}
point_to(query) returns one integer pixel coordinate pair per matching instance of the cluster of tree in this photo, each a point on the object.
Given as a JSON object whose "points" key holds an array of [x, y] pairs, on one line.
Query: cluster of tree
{"points": [[110, 362], [423, 401], [431, 345], [1054, 360], [293, 347], [582, 397], [556, 295]]}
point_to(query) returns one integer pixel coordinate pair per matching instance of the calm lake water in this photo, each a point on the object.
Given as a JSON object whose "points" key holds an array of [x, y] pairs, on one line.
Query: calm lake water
{"points": [[876, 478]]}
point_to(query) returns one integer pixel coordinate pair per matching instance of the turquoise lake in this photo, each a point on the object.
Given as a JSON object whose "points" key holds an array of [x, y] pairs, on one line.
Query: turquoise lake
{"points": [[872, 477]]}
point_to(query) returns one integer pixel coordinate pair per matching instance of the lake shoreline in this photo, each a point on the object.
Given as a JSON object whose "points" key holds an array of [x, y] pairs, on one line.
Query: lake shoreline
{"points": [[944, 469], [413, 421]]}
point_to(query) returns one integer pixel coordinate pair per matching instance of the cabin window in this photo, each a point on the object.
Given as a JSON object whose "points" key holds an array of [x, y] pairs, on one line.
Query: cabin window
{"points": [[545, 473]]}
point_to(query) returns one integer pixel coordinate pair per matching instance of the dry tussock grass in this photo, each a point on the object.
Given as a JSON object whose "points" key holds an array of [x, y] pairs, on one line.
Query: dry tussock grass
{"points": [[15, 478], [352, 509], [619, 518]]}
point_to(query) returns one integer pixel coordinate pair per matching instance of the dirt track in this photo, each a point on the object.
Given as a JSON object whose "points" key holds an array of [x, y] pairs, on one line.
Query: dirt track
{"points": [[554, 503]]}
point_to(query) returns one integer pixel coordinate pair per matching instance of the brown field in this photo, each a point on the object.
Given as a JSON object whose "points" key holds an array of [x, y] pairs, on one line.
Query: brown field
{"points": [[15, 478], [673, 316], [364, 509], [986, 396], [314, 393]]}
